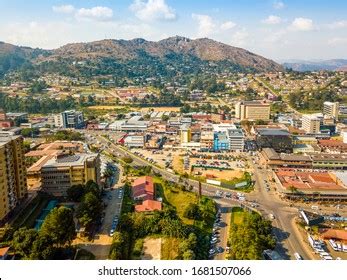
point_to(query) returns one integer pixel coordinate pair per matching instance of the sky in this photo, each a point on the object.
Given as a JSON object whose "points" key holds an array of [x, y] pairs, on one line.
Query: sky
{"points": [[277, 29]]}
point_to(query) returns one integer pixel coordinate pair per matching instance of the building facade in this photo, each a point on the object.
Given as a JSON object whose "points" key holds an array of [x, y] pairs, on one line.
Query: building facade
{"points": [[252, 110], [331, 109], [13, 186], [69, 119], [61, 172], [311, 124]]}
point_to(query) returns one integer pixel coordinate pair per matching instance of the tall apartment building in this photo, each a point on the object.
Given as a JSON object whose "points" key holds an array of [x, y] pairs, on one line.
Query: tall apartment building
{"points": [[311, 123], [252, 110], [331, 109], [69, 119], [13, 186], [61, 172]]}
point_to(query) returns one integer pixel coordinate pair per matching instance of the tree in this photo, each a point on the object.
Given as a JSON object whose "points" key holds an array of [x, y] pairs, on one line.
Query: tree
{"points": [[22, 242], [192, 211], [188, 255], [59, 226], [89, 211], [42, 248], [127, 160], [75, 193], [165, 118], [92, 187]]}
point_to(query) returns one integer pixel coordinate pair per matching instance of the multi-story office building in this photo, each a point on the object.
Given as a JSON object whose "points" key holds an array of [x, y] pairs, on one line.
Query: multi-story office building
{"points": [[228, 137], [331, 109], [61, 172], [69, 119], [311, 123], [13, 186], [252, 110], [236, 139]]}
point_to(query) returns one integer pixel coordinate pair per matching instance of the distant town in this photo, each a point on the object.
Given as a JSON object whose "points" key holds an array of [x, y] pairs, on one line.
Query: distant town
{"points": [[237, 166]]}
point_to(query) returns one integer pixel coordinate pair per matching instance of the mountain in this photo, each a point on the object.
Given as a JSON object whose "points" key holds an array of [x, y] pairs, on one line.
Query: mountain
{"points": [[171, 53], [13, 57], [330, 65]]}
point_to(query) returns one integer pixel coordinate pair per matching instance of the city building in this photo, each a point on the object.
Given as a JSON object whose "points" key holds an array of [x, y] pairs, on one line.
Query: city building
{"points": [[134, 141], [236, 139], [331, 109], [252, 110], [13, 185], [185, 134], [69, 119], [56, 173], [316, 186], [344, 137], [221, 141], [311, 123], [278, 139], [17, 118], [309, 160]]}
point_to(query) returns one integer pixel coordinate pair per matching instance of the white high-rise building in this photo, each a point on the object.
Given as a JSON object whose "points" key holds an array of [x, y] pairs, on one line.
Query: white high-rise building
{"points": [[311, 123], [331, 109]]}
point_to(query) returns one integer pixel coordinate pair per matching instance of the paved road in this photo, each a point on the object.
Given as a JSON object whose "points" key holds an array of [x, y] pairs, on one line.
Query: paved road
{"points": [[224, 231]]}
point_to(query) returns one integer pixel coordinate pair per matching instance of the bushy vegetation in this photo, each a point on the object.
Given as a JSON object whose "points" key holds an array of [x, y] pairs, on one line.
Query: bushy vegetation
{"points": [[32, 105], [50, 242], [249, 236]]}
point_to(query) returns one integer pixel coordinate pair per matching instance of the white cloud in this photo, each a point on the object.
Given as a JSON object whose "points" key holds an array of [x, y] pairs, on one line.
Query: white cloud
{"points": [[278, 5], [301, 24], [206, 26], [338, 24], [239, 39], [63, 9], [337, 41], [96, 13], [272, 20], [153, 10], [227, 25]]}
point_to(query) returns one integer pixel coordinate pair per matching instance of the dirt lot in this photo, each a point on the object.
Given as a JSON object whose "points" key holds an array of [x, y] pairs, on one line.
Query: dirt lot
{"points": [[151, 249], [219, 174]]}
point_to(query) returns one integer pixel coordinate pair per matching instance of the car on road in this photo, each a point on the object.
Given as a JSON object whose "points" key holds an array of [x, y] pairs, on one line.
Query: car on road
{"points": [[112, 231], [212, 251], [297, 256], [214, 240], [220, 249]]}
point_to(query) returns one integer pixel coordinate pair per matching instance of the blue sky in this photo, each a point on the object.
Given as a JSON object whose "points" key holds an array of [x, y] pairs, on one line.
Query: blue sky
{"points": [[278, 29]]}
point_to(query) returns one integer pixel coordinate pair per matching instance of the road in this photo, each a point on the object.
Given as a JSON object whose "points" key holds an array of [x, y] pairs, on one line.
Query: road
{"points": [[224, 231]]}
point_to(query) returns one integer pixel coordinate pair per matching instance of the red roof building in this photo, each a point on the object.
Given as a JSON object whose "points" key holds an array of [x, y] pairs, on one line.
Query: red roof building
{"points": [[332, 145], [148, 205], [143, 190]]}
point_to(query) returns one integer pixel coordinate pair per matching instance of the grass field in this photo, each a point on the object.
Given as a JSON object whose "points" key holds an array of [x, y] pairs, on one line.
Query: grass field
{"points": [[169, 248], [177, 198], [237, 215]]}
